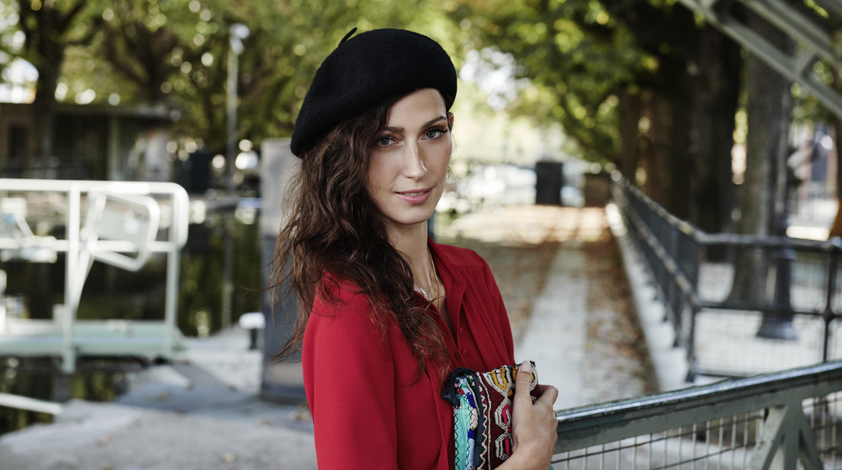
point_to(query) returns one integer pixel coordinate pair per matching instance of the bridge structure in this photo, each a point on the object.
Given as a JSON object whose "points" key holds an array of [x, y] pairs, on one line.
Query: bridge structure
{"points": [[815, 26]]}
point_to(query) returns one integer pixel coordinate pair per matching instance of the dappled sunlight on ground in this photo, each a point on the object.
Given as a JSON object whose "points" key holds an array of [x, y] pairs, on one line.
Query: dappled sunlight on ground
{"points": [[531, 225]]}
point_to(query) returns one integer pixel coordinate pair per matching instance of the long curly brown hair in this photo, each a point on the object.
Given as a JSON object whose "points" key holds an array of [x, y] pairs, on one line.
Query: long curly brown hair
{"points": [[335, 234]]}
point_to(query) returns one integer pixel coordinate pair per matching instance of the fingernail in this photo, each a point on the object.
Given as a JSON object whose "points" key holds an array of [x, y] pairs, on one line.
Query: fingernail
{"points": [[526, 366]]}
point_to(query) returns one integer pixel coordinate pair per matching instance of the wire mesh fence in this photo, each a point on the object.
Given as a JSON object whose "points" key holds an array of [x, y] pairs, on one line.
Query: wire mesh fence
{"points": [[726, 343], [717, 444], [739, 304], [729, 425]]}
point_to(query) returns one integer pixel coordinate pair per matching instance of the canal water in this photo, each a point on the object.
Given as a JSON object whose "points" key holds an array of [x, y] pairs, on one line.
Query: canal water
{"points": [[112, 293]]}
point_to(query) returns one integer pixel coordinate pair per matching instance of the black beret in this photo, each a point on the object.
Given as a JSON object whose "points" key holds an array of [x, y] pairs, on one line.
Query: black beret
{"points": [[365, 70]]}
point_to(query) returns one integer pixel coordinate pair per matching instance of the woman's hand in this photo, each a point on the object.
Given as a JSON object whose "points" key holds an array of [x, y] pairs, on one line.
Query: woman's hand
{"points": [[533, 425]]}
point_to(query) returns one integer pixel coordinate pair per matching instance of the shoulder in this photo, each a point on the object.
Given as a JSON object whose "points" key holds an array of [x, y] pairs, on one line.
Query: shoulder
{"points": [[461, 257], [342, 327], [340, 304]]}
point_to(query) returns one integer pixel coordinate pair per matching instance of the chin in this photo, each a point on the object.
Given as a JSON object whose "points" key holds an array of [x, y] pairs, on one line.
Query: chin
{"points": [[409, 220]]}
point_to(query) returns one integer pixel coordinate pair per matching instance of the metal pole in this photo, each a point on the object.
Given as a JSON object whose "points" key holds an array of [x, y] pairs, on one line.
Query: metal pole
{"points": [[173, 267], [779, 325], [228, 262], [68, 310], [238, 32], [829, 315], [233, 64], [228, 270]]}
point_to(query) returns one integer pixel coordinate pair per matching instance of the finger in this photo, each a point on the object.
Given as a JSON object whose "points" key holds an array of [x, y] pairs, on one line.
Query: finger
{"points": [[549, 395], [539, 390], [522, 382]]}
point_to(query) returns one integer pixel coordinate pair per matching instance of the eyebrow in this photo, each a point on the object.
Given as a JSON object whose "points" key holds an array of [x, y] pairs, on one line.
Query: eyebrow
{"points": [[426, 124]]}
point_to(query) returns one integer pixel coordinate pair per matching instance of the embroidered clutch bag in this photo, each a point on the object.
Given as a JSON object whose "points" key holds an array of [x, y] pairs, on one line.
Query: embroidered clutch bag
{"points": [[482, 414]]}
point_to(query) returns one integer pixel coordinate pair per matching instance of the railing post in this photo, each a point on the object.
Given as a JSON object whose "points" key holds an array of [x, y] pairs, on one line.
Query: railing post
{"points": [[68, 311], [828, 315], [779, 325], [692, 368], [786, 436]]}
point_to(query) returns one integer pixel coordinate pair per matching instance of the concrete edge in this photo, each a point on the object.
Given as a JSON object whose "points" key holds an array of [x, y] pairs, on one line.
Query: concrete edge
{"points": [[669, 362]]}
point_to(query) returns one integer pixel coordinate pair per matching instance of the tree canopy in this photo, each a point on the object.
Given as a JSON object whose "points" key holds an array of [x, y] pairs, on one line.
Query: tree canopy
{"points": [[174, 53]]}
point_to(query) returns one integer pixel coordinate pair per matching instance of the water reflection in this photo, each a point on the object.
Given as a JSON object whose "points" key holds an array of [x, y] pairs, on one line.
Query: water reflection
{"points": [[202, 277], [95, 380]]}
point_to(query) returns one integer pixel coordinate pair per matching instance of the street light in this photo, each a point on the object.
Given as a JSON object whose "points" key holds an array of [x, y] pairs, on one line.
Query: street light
{"points": [[238, 32]]}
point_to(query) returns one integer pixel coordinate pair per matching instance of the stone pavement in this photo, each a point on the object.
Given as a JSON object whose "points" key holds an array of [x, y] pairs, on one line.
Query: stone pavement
{"points": [[561, 276]]}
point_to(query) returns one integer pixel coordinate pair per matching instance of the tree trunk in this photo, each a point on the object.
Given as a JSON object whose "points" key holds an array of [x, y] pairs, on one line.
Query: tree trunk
{"points": [[46, 36], [45, 102], [711, 138], [665, 156], [761, 196], [50, 54], [679, 163], [629, 133], [655, 155]]}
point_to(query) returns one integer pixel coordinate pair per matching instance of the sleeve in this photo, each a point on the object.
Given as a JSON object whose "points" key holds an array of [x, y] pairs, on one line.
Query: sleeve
{"points": [[502, 316], [351, 388]]}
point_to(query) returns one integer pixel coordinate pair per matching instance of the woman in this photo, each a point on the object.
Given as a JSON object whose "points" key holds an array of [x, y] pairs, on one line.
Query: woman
{"points": [[386, 314]]}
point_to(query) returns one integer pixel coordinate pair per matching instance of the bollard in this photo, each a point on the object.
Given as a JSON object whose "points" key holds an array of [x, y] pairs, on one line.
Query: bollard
{"points": [[253, 322]]}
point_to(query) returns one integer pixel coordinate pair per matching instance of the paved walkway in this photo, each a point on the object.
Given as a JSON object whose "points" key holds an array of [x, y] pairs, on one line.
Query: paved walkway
{"points": [[205, 415], [556, 334], [582, 332], [202, 414]]}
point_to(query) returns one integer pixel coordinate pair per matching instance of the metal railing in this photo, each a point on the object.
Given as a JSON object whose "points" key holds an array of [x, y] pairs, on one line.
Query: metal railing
{"points": [[780, 419], [813, 203], [739, 304], [96, 231]]}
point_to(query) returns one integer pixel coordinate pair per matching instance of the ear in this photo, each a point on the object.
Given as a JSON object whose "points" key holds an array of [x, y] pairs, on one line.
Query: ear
{"points": [[450, 121]]}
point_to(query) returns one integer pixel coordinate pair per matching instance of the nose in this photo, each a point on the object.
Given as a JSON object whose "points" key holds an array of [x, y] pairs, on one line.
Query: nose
{"points": [[414, 161]]}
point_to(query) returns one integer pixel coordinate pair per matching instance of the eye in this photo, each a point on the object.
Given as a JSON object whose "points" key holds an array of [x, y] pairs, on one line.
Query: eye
{"points": [[385, 141], [434, 133]]}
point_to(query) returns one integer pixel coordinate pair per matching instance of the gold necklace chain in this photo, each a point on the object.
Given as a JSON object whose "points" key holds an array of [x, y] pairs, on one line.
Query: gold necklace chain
{"points": [[434, 279]]}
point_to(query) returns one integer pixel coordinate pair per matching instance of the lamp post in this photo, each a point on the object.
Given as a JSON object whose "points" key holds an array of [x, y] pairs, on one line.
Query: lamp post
{"points": [[238, 33], [778, 324]]}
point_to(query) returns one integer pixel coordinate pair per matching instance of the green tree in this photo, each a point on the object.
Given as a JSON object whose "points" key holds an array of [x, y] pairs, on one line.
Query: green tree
{"points": [[639, 83], [175, 52], [49, 28]]}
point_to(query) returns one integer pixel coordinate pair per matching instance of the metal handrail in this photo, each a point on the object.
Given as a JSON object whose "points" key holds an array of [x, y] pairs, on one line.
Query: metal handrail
{"points": [[775, 395], [72, 245], [673, 251]]}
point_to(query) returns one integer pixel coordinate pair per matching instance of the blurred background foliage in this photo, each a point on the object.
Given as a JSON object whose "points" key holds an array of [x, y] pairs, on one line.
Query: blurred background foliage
{"points": [[645, 86], [173, 52]]}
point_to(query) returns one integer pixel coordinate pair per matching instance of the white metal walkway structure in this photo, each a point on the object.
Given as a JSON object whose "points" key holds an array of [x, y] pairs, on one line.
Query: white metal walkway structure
{"points": [[816, 31], [121, 224]]}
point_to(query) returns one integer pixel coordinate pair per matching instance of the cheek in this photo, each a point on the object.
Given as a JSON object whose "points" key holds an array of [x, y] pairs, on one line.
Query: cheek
{"points": [[442, 159], [378, 174]]}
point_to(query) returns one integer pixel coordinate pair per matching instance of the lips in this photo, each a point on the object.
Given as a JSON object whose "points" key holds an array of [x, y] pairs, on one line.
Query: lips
{"points": [[415, 196]]}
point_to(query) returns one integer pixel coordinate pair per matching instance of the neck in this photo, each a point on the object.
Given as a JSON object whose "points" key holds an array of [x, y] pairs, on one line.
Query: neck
{"points": [[411, 242]]}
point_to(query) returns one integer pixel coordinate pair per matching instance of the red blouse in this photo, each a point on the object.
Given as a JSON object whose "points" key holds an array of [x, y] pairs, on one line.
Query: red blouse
{"points": [[367, 412]]}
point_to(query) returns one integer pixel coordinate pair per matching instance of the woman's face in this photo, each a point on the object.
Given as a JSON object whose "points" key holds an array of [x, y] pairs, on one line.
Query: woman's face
{"points": [[409, 159]]}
